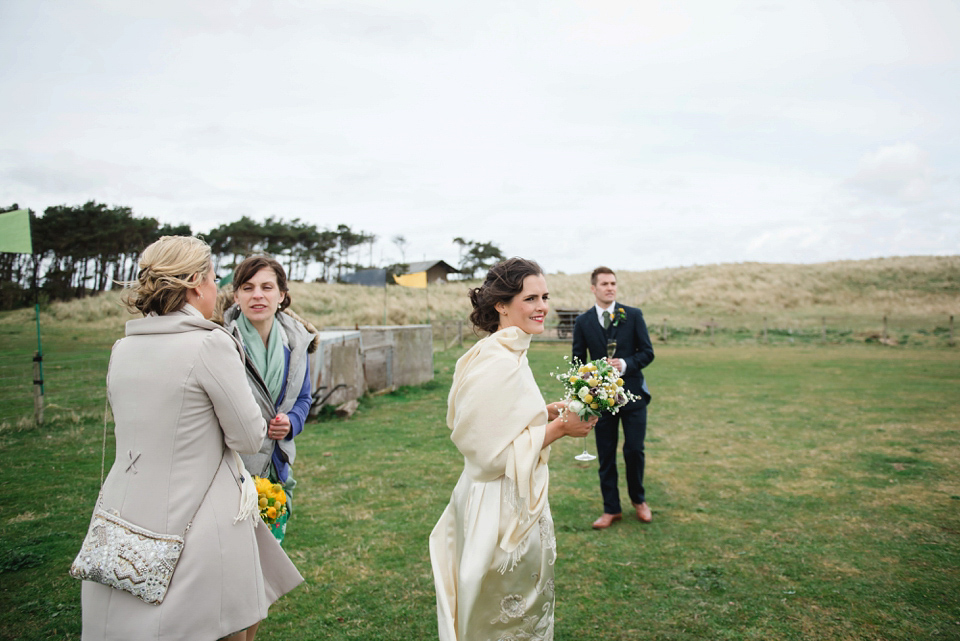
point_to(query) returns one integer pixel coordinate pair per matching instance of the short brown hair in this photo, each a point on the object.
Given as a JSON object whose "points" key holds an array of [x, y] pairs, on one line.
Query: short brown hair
{"points": [[249, 267], [598, 271], [168, 268], [503, 282]]}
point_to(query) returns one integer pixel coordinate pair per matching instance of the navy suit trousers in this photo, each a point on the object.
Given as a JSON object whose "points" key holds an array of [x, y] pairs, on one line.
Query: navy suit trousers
{"points": [[607, 432]]}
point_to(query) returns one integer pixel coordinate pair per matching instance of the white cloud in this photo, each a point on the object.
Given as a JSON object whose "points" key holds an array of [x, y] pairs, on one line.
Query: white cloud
{"points": [[901, 171]]}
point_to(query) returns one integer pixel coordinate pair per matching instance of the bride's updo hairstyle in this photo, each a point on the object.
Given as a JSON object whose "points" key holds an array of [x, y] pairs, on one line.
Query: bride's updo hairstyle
{"points": [[503, 282], [168, 268]]}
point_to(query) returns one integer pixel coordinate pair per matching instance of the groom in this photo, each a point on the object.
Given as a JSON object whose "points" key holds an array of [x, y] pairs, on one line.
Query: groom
{"points": [[621, 328]]}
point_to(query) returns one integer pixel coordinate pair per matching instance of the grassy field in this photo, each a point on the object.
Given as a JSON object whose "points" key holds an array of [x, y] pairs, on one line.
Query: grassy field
{"points": [[799, 492], [743, 304]]}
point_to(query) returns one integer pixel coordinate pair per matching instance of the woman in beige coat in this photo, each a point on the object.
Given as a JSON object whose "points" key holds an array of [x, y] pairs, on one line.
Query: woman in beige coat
{"points": [[181, 404]]}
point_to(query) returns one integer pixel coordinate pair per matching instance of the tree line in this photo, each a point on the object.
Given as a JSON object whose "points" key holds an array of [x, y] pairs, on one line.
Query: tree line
{"points": [[81, 250]]}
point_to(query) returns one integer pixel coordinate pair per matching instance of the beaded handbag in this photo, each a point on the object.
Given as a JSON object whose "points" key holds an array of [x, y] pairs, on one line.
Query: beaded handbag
{"points": [[122, 555], [127, 557]]}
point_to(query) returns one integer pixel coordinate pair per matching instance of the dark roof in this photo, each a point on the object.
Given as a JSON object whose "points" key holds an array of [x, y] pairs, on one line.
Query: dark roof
{"points": [[368, 277], [426, 265]]}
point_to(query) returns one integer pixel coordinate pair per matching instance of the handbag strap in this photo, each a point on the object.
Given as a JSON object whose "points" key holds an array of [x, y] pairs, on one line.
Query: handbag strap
{"points": [[103, 459], [103, 454], [203, 498]]}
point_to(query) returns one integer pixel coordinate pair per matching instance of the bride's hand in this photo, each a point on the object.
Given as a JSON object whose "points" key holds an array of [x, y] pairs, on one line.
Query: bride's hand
{"points": [[573, 425], [566, 423], [554, 409]]}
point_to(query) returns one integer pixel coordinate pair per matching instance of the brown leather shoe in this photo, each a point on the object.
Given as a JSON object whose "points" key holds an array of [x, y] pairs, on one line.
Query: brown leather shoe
{"points": [[643, 512], [606, 520]]}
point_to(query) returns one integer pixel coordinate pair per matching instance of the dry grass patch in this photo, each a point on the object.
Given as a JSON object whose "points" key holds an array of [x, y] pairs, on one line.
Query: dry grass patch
{"points": [[917, 292], [26, 517]]}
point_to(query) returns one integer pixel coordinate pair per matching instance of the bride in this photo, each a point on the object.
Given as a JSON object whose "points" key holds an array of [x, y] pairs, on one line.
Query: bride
{"points": [[493, 548]]}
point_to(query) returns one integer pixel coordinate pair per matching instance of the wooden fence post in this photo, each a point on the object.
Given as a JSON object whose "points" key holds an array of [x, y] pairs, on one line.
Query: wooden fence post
{"points": [[951, 329], [711, 330], [765, 339], [823, 328], [663, 331], [884, 327], [38, 388]]}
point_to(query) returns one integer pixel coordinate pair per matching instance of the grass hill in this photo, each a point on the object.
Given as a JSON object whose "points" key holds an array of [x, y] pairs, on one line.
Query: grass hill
{"points": [[914, 292]]}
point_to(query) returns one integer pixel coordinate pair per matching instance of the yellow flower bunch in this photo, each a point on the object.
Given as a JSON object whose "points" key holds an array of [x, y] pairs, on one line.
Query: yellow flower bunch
{"points": [[271, 499]]}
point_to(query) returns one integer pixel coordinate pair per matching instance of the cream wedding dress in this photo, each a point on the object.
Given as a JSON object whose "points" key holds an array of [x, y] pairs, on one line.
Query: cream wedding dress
{"points": [[494, 547]]}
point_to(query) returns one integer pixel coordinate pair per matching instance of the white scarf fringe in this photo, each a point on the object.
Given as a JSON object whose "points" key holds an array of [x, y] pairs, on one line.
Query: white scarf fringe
{"points": [[248, 493], [520, 512]]}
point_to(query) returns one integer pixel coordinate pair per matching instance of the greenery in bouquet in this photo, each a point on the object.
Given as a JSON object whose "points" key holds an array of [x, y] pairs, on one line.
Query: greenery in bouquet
{"points": [[593, 388], [271, 499]]}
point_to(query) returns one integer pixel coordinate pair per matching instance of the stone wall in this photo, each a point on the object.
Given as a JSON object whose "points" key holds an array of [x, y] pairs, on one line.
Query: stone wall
{"points": [[397, 355], [337, 362], [372, 358]]}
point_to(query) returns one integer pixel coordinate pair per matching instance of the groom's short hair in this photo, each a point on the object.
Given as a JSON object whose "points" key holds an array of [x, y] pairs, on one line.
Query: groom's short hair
{"points": [[598, 271]]}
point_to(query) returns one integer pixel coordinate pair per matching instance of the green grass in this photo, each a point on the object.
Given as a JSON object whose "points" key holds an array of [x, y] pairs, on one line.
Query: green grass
{"points": [[804, 492]]}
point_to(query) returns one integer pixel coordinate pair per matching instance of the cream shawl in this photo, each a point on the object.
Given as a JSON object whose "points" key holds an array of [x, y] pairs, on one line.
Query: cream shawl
{"points": [[498, 418]]}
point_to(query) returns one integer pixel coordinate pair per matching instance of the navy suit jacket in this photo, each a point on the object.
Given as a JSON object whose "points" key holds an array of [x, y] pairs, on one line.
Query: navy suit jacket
{"points": [[633, 344]]}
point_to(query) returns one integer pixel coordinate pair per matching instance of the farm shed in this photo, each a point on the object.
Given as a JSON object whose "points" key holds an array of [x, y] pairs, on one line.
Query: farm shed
{"points": [[437, 270]]}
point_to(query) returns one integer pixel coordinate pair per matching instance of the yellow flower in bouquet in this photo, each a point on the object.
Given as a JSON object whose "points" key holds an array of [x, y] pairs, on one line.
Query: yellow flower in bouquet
{"points": [[271, 499], [593, 388]]}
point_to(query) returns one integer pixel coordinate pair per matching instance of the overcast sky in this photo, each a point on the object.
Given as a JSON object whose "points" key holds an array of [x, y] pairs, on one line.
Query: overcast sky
{"points": [[637, 134]]}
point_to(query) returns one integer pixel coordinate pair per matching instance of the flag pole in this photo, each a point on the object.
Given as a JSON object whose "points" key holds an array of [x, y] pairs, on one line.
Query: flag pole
{"points": [[38, 388]]}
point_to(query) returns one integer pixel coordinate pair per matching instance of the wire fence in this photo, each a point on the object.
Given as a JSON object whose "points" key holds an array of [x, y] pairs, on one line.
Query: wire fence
{"points": [[887, 330], [74, 382]]}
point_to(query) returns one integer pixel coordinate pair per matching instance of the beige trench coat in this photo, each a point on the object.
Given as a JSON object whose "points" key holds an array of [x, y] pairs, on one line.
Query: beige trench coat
{"points": [[179, 393]]}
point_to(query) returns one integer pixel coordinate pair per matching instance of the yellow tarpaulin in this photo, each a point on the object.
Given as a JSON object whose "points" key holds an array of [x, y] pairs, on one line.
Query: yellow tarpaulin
{"points": [[15, 232], [417, 279]]}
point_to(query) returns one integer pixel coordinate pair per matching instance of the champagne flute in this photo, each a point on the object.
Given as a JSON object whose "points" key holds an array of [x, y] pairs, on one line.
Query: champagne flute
{"points": [[584, 455]]}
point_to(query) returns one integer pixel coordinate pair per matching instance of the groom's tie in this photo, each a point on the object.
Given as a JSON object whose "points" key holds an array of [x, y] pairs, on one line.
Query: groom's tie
{"points": [[606, 320]]}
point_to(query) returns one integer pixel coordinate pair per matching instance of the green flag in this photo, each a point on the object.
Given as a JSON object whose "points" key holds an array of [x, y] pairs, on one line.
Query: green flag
{"points": [[15, 232]]}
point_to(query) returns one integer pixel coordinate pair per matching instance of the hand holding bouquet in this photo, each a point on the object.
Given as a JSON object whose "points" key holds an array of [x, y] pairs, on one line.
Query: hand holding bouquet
{"points": [[593, 388]]}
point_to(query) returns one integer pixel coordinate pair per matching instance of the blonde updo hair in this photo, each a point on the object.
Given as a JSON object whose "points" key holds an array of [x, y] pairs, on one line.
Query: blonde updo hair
{"points": [[168, 268]]}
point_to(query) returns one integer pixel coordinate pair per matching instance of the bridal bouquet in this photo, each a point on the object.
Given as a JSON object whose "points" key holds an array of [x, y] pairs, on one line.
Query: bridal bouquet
{"points": [[593, 388], [272, 500]]}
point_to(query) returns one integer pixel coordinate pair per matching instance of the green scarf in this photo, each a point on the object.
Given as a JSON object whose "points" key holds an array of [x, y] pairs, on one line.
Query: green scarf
{"points": [[268, 359]]}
